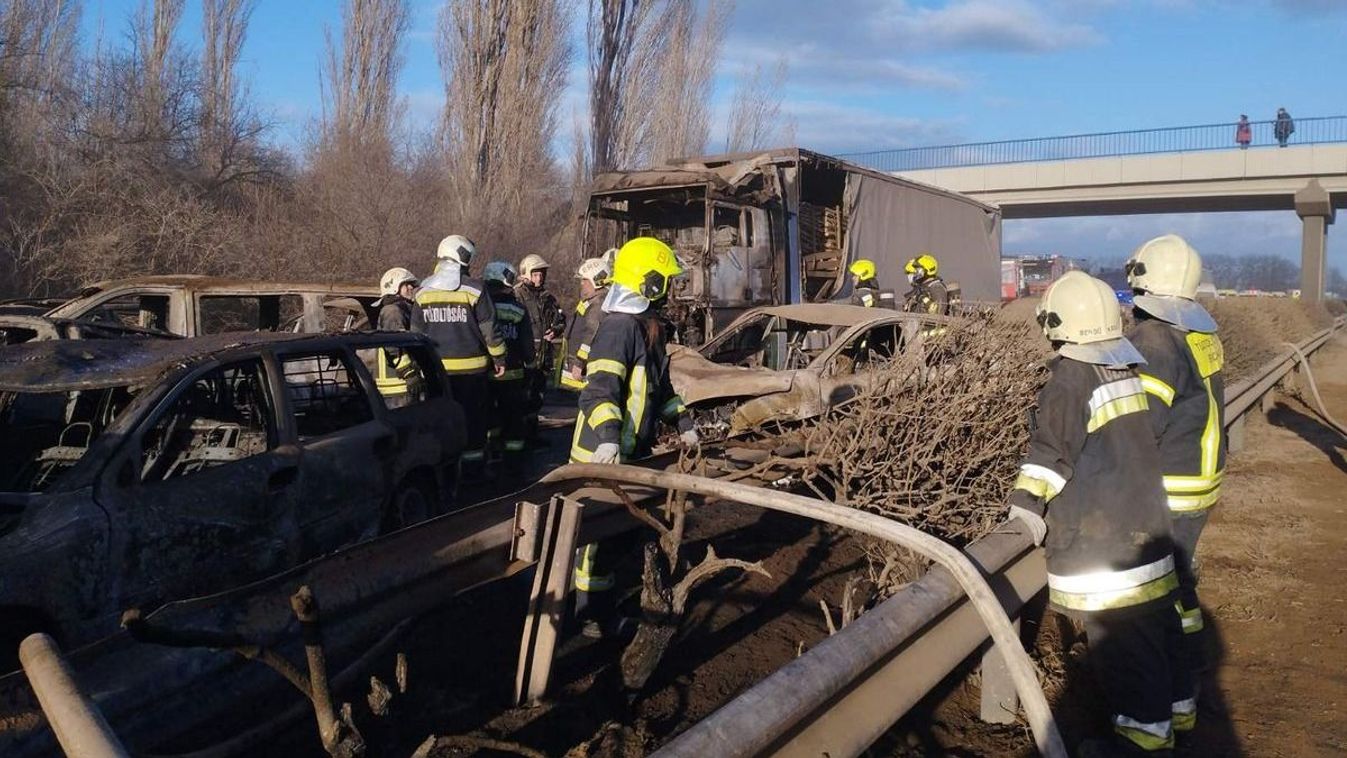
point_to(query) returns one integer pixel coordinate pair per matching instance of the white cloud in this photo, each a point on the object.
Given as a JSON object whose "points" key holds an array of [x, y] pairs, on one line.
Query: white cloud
{"points": [[999, 25], [830, 128]]}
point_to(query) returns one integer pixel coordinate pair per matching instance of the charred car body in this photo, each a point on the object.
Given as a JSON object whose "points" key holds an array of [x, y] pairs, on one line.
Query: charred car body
{"points": [[781, 227], [133, 472], [791, 362]]}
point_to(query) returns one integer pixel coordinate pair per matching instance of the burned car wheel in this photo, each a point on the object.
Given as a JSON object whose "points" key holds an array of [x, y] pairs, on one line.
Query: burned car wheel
{"points": [[415, 500]]}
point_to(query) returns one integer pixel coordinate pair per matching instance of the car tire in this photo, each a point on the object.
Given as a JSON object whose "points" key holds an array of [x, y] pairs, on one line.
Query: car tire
{"points": [[415, 500]]}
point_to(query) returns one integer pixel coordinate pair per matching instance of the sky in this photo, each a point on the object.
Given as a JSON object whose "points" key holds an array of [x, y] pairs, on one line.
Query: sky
{"points": [[877, 74]]}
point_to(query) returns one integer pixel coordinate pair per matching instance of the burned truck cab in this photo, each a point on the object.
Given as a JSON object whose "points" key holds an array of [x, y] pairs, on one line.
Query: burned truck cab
{"points": [[781, 226]]}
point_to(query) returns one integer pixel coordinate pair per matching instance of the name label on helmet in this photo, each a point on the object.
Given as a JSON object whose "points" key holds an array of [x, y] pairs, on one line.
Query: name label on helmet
{"points": [[446, 314], [1207, 351]]}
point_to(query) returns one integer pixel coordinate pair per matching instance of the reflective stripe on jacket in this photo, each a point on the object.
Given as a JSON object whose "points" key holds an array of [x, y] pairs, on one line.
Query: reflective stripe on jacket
{"points": [[580, 336], [462, 323], [627, 389], [512, 324], [1094, 469], [1184, 379], [928, 296], [391, 364], [874, 297]]}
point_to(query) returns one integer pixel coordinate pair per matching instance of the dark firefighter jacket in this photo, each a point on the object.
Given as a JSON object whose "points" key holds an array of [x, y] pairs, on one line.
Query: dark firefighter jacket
{"points": [[628, 389], [870, 295], [1094, 468], [545, 315], [395, 315], [580, 336], [929, 295], [512, 324], [1183, 377], [462, 323]]}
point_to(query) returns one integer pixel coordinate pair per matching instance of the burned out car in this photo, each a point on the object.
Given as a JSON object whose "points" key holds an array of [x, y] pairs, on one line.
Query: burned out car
{"points": [[16, 329], [789, 362], [192, 306], [133, 472]]}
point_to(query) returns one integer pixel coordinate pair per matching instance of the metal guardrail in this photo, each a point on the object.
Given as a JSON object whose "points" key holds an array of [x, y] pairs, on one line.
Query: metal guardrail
{"points": [[839, 697], [1308, 131]]}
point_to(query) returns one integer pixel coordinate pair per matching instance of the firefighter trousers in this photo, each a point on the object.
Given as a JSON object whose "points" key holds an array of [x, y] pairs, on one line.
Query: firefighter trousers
{"points": [[1133, 654], [1186, 531], [508, 399], [473, 394]]}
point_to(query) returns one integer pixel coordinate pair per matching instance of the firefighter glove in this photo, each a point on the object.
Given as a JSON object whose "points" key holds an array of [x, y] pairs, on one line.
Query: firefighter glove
{"points": [[606, 453], [1038, 528], [690, 438]]}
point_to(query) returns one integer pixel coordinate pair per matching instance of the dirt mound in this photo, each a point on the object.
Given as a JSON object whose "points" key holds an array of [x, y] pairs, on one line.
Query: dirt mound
{"points": [[1255, 330]]}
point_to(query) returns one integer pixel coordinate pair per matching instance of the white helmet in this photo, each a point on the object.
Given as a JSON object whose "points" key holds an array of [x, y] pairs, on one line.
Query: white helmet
{"points": [[393, 279], [499, 271], [456, 248], [1165, 273], [1083, 313], [595, 270], [532, 262]]}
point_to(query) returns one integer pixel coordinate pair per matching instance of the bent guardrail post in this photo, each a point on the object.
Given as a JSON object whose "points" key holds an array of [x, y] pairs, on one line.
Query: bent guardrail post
{"points": [[80, 728], [547, 601], [989, 608]]}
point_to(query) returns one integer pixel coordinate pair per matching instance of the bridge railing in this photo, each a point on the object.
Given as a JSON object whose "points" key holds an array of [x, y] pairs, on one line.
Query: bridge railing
{"points": [[1100, 145]]}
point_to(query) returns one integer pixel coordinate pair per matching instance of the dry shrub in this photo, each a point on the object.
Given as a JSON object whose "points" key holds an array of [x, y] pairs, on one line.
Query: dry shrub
{"points": [[1255, 330], [936, 446]]}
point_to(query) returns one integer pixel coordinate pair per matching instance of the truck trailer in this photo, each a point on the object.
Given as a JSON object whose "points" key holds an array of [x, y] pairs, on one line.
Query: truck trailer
{"points": [[782, 226]]}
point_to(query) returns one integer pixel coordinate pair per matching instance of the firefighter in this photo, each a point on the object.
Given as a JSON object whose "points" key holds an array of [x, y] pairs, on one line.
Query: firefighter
{"points": [[1183, 376], [1090, 484], [456, 312], [928, 294], [509, 395], [865, 289], [593, 275], [627, 392], [393, 368], [548, 322]]}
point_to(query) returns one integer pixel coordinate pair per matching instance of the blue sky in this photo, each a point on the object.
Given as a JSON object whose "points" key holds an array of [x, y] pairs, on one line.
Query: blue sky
{"points": [[874, 74]]}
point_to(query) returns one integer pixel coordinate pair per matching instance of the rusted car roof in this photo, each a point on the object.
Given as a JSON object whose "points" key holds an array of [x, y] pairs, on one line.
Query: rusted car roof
{"points": [[197, 281], [63, 365]]}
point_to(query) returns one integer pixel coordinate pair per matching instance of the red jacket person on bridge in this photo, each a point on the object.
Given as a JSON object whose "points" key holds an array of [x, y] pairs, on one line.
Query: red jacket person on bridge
{"points": [[1183, 376], [1091, 486]]}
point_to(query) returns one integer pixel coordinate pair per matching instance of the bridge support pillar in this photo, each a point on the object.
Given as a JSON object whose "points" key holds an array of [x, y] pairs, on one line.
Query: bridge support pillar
{"points": [[1315, 208]]}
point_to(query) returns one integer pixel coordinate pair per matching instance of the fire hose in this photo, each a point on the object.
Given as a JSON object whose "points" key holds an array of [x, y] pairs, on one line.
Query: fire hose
{"points": [[1314, 392]]}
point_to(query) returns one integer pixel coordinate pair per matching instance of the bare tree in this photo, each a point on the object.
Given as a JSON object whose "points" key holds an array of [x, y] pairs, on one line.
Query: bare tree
{"points": [[505, 67], [37, 47], [689, 45], [755, 110], [154, 28], [623, 74], [224, 24], [361, 77]]}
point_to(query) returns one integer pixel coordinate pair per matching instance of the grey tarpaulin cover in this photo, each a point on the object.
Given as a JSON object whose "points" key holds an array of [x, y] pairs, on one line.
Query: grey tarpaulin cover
{"points": [[891, 223]]}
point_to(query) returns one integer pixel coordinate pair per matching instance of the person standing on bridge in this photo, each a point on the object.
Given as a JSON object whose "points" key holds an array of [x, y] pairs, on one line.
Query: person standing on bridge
{"points": [[865, 289], [1283, 128], [1090, 486], [627, 392], [1243, 132], [1183, 377]]}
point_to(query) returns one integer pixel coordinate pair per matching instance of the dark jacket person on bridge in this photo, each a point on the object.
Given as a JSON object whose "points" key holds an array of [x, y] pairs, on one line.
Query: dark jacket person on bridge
{"points": [[1243, 132], [1284, 127]]}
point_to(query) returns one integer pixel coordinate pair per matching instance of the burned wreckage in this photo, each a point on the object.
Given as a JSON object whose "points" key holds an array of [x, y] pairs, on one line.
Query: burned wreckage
{"points": [[139, 471], [781, 226]]}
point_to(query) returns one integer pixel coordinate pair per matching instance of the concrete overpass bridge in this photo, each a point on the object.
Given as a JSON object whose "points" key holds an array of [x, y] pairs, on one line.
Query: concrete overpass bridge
{"points": [[1193, 169]]}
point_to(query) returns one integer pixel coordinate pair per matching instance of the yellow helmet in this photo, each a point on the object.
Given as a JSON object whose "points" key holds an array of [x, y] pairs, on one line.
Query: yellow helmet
{"points": [[926, 262], [645, 266], [863, 269], [1166, 265]]}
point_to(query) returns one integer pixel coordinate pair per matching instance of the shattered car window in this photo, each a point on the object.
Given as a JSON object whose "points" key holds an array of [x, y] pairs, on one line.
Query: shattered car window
{"points": [[137, 310], [44, 434], [247, 313], [325, 394], [224, 416]]}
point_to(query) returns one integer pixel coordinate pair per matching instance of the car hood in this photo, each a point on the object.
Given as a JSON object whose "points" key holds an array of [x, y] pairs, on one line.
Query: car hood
{"points": [[697, 379]]}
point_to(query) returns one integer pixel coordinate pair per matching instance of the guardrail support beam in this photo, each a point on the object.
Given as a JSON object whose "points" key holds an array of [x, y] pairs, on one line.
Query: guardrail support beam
{"points": [[1000, 702]]}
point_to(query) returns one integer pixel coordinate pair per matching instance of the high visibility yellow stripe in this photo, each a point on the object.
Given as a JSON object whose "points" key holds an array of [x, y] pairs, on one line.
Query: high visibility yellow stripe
{"points": [[571, 382], [1115, 409], [1102, 601], [1143, 735], [1211, 434], [636, 398], [1036, 487], [585, 580], [440, 297], [1194, 484], [608, 365], [1102, 590], [581, 307], [583, 352], [672, 407], [1158, 387], [1190, 619], [514, 446], [604, 413], [474, 363], [1193, 503], [497, 350]]}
